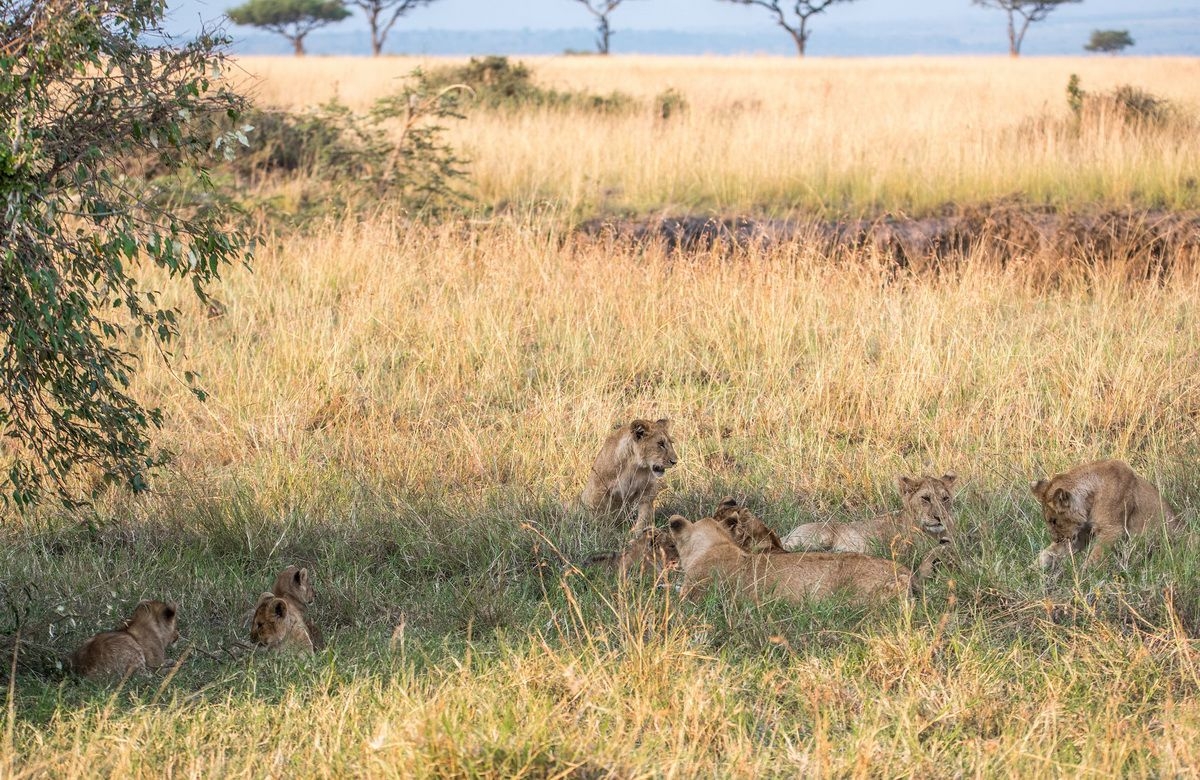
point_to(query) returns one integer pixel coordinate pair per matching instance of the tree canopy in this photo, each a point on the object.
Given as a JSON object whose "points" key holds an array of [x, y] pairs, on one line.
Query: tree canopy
{"points": [[1021, 14], [802, 10], [1109, 41], [293, 19]]}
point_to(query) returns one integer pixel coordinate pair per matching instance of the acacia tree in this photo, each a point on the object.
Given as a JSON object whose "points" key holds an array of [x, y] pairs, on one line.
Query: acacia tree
{"points": [[293, 19], [802, 10], [91, 94], [1109, 41], [601, 9], [1021, 14], [377, 13]]}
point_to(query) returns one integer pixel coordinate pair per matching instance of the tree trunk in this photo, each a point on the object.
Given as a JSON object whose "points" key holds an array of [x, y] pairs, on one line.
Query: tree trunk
{"points": [[605, 34], [298, 43], [1014, 45], [376, 38]]}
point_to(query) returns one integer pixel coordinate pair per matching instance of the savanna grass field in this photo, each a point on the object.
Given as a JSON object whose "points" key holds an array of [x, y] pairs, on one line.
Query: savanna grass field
{"points": [[411, 409]]}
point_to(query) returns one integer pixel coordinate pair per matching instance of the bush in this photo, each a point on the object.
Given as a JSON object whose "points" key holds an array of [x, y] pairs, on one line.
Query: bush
{"points": [[1131, 105], [497, 84], [670, 102]]}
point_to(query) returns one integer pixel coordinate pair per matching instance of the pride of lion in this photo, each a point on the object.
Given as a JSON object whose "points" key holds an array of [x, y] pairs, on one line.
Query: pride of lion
{"points": [[730, 552]]}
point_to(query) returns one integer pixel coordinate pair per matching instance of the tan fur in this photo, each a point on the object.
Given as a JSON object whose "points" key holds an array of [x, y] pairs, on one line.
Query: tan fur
{"points": [[138, 645], [278, 626], [650, 552], [1104, 500], [750, 533], [629, 469], [926, 511], [707, 553], [294, 585]]}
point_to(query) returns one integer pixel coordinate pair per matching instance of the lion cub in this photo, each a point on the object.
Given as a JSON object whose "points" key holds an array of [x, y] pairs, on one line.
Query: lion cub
{"points": [[750, 533], [629, 469], [707, 552], [139, 644], [650, 551], [294, 585], [278, 625], [1105, 500], [926, 509]]}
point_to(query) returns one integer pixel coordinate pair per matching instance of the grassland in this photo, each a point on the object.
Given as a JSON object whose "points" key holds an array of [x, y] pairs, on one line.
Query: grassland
{"points": [[410, 410]]}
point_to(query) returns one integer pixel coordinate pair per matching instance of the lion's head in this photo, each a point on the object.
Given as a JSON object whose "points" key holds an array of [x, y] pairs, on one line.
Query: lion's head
{"points": [[273, 620], [651, 445], [294, 583], [927, 503], [1065, 516], [750, 533]]}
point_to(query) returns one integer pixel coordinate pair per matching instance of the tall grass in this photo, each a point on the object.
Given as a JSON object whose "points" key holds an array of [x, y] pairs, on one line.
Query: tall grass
{"points": [[774, 136], [410, 411]]}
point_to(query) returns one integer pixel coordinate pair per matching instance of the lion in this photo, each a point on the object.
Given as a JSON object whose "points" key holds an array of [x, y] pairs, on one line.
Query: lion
{"points": [[707, 552], [628, 471], [279, 626], [926, 509], [1104, 501], [137, 646], [651, 551], [750, 533], [294, 586]]}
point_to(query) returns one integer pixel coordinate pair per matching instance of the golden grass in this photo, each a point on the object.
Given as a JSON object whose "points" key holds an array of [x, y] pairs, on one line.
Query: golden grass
{"points": [[766, 135], [406, 404]]}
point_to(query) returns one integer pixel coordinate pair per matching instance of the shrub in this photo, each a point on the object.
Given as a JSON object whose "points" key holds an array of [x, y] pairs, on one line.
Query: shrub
{"points": [[497, 84]]}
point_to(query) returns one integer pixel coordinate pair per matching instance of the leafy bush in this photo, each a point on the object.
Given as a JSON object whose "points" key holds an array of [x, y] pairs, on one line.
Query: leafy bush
{"points": [[1130, 104], [669, 103], [497, 84]]}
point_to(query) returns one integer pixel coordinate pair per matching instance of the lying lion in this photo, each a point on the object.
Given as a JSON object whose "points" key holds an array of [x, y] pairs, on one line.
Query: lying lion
{"points": [[1104, 500], [138, 645], [707, 552], [925, 510], [750, 533], [628, 471], [650, 552]]}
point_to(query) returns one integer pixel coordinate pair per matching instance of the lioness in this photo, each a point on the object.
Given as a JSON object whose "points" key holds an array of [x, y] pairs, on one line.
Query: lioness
{"points": [[628, 470], [1105, 500], [139, 644], [750, 533], [707, 552], [926, 509], [294, 586], [650, 551], [279, 626]]}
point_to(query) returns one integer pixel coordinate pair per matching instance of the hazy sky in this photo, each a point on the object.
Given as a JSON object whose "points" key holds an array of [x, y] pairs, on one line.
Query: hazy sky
{"points": [[692, 14]]}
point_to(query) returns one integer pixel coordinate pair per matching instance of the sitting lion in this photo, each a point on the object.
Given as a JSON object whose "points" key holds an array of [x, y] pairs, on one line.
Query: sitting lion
{"points": [[279, 626], [294, 586], [707, 552], [1105, 500], [138, 645], [652, 551], [750, 533], [629, 469], [926, 509]]}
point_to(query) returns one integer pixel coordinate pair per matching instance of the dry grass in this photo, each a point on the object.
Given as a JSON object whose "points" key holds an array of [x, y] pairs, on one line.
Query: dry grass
{"points": [[776, 135], [411, 411]]}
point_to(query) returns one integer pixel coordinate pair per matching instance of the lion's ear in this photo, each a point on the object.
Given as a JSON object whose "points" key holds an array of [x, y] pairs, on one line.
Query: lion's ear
{"points": [[663, 422], [907, 485], [301, 578], [678, 523], [168, 612], [280, 607], [729, 502], [949, 478], [639, 428], [1038, 488]]}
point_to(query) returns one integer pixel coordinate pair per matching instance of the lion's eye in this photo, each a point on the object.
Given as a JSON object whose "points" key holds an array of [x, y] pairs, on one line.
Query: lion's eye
{"points": [[662, 445], [926, 499]]}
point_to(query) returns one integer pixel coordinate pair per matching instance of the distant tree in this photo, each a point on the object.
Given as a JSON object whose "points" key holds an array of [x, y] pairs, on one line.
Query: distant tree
{"points": [[802, 9], [601, 9], [1109, 41], [1021, 14], [293, 19], [382, 14]]}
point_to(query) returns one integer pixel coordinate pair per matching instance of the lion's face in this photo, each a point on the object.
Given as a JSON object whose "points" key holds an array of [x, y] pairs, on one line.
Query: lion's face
{"points": [[750, 533], [927, 503], [271, 621], [1064, 517], [655, 547], [652, 446]]}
